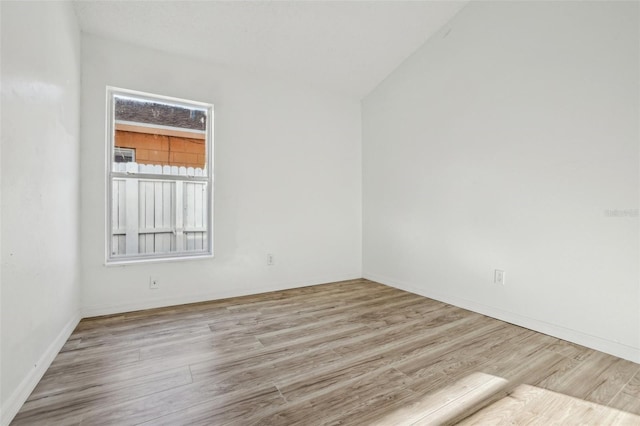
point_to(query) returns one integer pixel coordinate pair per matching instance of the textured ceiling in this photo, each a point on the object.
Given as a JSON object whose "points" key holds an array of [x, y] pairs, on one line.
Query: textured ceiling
{"points": [[348, 46]]}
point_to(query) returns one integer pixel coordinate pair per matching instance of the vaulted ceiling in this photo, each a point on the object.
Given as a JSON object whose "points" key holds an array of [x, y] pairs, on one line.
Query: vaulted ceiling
{"points": [[343, 46]]}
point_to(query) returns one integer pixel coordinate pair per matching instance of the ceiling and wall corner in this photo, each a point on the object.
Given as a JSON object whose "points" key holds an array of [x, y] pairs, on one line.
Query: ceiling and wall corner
{"points": [[345, 47]]}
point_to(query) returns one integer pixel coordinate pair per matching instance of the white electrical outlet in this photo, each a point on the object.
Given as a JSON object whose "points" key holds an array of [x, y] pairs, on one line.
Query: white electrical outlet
{"points": [[498, 277], [154, 283], [269, 259]]}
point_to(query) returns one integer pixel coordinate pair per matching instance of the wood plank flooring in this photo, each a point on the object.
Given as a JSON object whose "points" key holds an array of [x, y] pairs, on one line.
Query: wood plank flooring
{"points": [[346, 353]]}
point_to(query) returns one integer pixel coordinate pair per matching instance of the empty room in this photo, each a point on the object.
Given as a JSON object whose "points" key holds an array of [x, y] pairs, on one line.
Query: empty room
{"points": [[320, 212]]}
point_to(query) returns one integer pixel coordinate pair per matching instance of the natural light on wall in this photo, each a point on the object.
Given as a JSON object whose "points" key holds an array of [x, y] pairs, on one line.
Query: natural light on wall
{"points": [[159, 177]]}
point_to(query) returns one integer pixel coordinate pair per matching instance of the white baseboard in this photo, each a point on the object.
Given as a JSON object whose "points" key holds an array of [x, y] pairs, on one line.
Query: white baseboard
{"points": [[98, 310], [15, 401], [594, 342]]}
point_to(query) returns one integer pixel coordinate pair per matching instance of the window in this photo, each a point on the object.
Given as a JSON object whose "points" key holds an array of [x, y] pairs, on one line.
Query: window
{"points": [[124, 155], [159, 177]]}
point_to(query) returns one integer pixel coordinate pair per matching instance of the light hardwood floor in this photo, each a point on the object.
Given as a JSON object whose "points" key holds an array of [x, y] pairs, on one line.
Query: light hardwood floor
{"points": [[353, 352]]}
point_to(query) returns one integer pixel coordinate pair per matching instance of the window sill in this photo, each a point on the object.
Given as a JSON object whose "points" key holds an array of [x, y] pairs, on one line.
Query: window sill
{"points": [[138, 260]]}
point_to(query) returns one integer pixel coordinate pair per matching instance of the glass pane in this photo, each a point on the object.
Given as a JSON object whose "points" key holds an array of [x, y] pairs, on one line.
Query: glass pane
{"points": [[160, 134], [158, 217]]}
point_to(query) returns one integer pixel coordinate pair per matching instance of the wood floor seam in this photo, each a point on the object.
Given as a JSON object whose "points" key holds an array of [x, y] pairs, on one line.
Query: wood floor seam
{"points": [[637, 373]]}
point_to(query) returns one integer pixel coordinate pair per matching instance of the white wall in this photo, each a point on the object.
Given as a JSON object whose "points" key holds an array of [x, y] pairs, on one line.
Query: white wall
{"points": [[287, 182], [40, 76], [501, 144]]}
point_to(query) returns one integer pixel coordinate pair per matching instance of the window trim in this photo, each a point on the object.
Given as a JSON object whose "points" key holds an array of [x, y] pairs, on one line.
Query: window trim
{"points": [[111, 123]]}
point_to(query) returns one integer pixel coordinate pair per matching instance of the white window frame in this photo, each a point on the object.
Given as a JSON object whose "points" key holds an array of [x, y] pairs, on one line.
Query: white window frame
{"points": [[110, 259]]}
